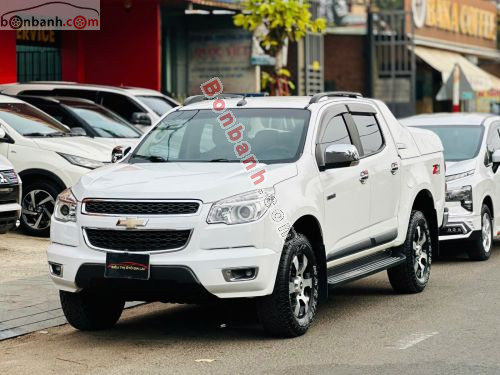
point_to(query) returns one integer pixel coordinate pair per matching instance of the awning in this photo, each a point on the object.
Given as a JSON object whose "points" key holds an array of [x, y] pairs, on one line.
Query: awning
{"points": [[444, 62]]}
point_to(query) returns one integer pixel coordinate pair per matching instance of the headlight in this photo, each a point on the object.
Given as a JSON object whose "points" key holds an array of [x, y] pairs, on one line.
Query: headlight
{"points": [[462, 195], [82, 162], [454, 177], [65, 208], [242, 208]]}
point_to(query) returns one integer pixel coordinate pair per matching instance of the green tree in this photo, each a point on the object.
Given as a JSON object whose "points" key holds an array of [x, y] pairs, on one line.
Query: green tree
{"points": [[280, 21]]}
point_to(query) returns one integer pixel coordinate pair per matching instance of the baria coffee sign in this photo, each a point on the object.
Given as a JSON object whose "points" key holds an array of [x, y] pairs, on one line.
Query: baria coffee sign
{"points": [[461, 21]]}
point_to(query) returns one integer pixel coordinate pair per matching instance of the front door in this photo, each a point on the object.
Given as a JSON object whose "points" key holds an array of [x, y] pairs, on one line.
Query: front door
{"points": [[346, 195]]}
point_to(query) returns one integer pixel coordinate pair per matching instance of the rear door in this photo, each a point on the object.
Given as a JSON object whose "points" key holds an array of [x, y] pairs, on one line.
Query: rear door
{"points": [[346, 195], [381, 160]]}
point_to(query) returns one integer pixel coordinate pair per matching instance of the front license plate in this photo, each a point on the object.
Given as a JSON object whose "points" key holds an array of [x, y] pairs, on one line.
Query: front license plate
{"points": [[127, 266]]}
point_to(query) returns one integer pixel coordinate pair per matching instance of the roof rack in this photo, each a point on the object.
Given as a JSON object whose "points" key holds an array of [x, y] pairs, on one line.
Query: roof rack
{"points": [[332, 94], [199, 98]]}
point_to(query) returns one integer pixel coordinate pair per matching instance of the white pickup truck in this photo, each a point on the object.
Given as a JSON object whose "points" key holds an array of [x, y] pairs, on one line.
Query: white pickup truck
{"points": [[274, 199]]}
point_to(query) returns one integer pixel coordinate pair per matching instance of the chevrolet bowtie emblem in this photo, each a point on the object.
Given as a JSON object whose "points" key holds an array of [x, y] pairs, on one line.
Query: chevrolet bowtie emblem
{"points": [[132, 223]]}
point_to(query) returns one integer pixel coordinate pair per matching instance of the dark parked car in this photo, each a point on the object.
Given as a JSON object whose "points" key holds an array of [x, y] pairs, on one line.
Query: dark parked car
{"points": [[87, 118]]}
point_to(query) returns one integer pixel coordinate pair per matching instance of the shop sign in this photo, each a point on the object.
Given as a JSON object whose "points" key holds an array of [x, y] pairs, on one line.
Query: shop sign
{"points": [[462, 21], [224, 54], [46, 38]]}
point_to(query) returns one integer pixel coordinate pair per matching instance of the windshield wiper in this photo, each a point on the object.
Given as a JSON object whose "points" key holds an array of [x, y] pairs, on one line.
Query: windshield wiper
{"points": [[152, 158], [35, 134], [58, 134], [38, 134], [221, 160]]}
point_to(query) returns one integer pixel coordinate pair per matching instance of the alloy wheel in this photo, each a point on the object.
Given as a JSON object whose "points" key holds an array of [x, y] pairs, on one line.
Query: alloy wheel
{"points": [[486, 232], [37, 208], [421, 246], [301, 285]]}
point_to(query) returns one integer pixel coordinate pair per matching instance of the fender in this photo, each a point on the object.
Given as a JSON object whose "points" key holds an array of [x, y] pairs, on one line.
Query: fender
{"points": [[42, 172]]}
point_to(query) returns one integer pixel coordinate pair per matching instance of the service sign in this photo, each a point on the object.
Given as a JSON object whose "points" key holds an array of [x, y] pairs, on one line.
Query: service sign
{"points": [[466, 22]]}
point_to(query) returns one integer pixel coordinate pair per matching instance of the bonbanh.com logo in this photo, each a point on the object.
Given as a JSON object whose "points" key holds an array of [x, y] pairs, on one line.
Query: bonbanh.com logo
{"points": [[54, 15]]}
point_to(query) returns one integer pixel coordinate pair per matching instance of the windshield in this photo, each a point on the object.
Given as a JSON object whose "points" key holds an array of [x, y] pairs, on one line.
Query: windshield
{"points": [[274, 136], [158, 104], [104, 122], [461, 142], [30, 121]]}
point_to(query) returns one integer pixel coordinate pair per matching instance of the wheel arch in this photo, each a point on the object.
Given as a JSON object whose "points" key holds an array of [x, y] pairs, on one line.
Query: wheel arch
{"points": [[424, 202], [489, 202], [309, 226], [30, 175]]}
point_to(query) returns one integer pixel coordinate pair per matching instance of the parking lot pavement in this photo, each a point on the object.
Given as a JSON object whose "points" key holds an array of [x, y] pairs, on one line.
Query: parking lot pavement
{"points": [[28, 301], [364, 328]]}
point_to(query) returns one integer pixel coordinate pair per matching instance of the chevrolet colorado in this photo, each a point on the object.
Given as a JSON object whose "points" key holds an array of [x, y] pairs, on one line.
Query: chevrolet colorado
{"points": [[276, 198]]}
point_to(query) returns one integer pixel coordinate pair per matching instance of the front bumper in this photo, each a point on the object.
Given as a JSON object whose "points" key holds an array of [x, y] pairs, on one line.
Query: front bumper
{"points": [[9, 216], [211, 249], [83, 267], [461, 225]]}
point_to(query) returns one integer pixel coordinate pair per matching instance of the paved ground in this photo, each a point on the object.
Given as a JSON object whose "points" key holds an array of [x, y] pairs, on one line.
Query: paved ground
{"points": [[28, 300], [364, 328]]}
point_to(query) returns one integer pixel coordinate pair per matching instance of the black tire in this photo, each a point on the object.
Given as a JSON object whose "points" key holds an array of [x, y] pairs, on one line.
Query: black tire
{"points": [[278, 312], [31, 213], [480, 248], [90, 312], [412, 275]]}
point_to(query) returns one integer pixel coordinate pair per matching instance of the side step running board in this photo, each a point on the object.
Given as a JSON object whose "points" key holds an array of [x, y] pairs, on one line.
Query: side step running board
{"points": [[363, 267]]}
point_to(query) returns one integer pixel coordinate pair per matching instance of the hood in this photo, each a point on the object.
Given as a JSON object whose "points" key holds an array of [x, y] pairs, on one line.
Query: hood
{"points": [[79, 146], [113, 142], [456, 167], [207, 182]]}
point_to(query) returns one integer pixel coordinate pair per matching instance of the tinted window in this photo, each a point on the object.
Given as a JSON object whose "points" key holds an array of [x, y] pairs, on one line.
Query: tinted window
{"points": [[336, 132], [369, 133], [274, 135], [29, 121], [460, 142], [158, 104], [120, 104], [59, 114], [105, 123]]}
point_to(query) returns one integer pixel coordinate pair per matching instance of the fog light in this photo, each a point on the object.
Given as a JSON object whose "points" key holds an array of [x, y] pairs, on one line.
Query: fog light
{"points": [[240, 274], [56, 269]]}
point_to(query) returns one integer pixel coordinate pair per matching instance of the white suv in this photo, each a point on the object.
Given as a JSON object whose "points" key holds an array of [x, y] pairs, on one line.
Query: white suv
{"points": [[139, 106], [47, 157], [10, 195], [472, 153], [274, 199]]}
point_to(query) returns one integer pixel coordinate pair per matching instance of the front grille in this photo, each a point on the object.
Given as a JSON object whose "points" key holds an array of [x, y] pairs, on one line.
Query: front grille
{"points": [[137, 240], [140, 208]]}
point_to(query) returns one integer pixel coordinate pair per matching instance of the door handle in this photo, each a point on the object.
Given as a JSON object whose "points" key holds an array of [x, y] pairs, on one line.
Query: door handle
{"points": [[363, 176], [394, 168]]}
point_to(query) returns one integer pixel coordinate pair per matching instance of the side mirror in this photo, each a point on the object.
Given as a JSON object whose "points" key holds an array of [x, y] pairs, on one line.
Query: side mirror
{"points": [[140, 118], [4, 137], [341, 156], [118, 153], [495, 158], [78, 131]]}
